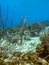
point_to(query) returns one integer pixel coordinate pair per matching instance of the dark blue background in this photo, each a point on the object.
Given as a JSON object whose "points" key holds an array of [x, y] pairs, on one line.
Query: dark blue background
{"points": [[32, 9]]}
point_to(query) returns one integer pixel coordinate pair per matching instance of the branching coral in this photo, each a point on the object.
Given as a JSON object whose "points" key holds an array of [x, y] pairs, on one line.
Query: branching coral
{"points": [[22, 30], [25, 24], [21, 34]]}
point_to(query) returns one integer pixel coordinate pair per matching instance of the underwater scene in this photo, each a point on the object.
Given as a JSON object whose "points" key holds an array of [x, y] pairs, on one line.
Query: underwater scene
{"points": [[24, 32]]}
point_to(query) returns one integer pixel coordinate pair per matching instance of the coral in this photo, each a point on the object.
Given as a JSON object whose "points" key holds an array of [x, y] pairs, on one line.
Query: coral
{"points": [[1, 35], [11, 30], [25, 24], [29, 27], [43, 48], [33, 33], [17, 58], [21, 34], [45, 23], [21, 21], [14, 40], [9, 38], [37, 26]]}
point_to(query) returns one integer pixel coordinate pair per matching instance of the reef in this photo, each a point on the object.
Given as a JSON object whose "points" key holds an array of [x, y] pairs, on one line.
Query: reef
{"points": [[19, 48], [24, 44]]}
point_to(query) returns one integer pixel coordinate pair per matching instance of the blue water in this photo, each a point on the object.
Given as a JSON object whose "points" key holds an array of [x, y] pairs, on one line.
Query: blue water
{"points": [[34, 10]]}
